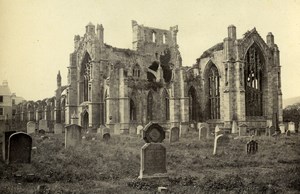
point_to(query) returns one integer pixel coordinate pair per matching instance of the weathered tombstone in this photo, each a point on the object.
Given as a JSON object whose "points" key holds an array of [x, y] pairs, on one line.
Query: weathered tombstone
{"points": [[132, 130], [31, 126], [58, 128], [174, 134], [72, 135], [220, 141], [5, 138], [153, 132], [268, 131], [153, 153], [217, 130], [282, 128], [291, 127], [251, 147], [139, 129], [124, 131], [243, 130], [106, 137], [42, 132], [105, 130], [19, 148], [99, 130], [234, 127], [272, 130], [203, 133], [43, 124]]}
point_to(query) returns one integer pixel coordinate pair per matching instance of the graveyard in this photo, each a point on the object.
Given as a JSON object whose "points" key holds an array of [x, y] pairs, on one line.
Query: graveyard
{"points": [[102, 164]]}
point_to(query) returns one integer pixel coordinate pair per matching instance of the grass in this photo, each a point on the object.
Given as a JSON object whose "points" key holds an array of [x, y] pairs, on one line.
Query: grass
{"points": [[113, 167]]}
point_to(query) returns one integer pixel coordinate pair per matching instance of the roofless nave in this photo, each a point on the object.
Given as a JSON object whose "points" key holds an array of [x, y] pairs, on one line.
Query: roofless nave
{"points": [[235, 80]]}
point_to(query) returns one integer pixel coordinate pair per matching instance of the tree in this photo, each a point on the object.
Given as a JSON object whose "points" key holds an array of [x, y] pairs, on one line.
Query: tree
{"points": [[292, 114]]}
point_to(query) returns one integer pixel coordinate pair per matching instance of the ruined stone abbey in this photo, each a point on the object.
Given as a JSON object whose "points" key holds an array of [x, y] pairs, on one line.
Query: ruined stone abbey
{"points": [[234, 80]]}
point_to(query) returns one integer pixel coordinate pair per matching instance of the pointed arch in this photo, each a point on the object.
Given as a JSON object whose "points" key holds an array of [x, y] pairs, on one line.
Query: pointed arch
{"points": [[193, 104], [85, 76], [253, 79], [212, 88]]}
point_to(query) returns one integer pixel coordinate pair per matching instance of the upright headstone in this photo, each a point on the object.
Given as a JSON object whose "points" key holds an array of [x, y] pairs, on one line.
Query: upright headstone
{"points": [[234, 127], [106, 137], [99, 130], [282, 128], [153, 153], [174, 134], [243, 130], [19, 148], [251, 147], [124, 131], [43, 124], [203, 133], [132, 130], [272, 130], [139, 129], [153, 161], [31, 127], [72, 135], [291, 127], [58, 128], [217, 130], [105, 130], [5, 139], [220, 143]]}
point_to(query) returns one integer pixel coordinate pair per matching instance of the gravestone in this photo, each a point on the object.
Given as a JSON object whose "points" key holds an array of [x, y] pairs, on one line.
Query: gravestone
{"points": [[58, 128], [153, 153], [174, 134], [105, 130], [5, 139], [139, 129], [282, 128], [234, 127], [220, 143], [132, 130], [291, 127], [124, 131], [43, 124], [243, 130], [99, 130], [272, 130], [288, 133], [72, 135], [31, 127], [217, 130], [268, 131], [19, 148], [203, 133], [42, 132], [251, 147], [153, 161], [153, 132], [106, 137]]}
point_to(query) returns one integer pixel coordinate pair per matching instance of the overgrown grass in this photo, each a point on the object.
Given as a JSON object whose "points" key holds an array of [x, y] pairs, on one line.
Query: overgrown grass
{"points": [[113, 167]]}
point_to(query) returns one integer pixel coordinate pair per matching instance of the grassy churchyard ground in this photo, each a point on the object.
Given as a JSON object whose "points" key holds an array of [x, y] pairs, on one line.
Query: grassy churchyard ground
{"points": [[113, 167]]}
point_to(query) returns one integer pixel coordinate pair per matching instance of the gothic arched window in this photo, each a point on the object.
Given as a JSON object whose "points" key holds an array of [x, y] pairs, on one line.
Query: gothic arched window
{"points": [[214, 92], [254, 61], [132, 110], [136, 71], [86, 74], [193, 114]]}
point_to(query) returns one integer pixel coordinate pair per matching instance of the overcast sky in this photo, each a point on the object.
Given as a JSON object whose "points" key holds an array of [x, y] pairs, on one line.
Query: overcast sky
{"points": [[37, 35]]}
